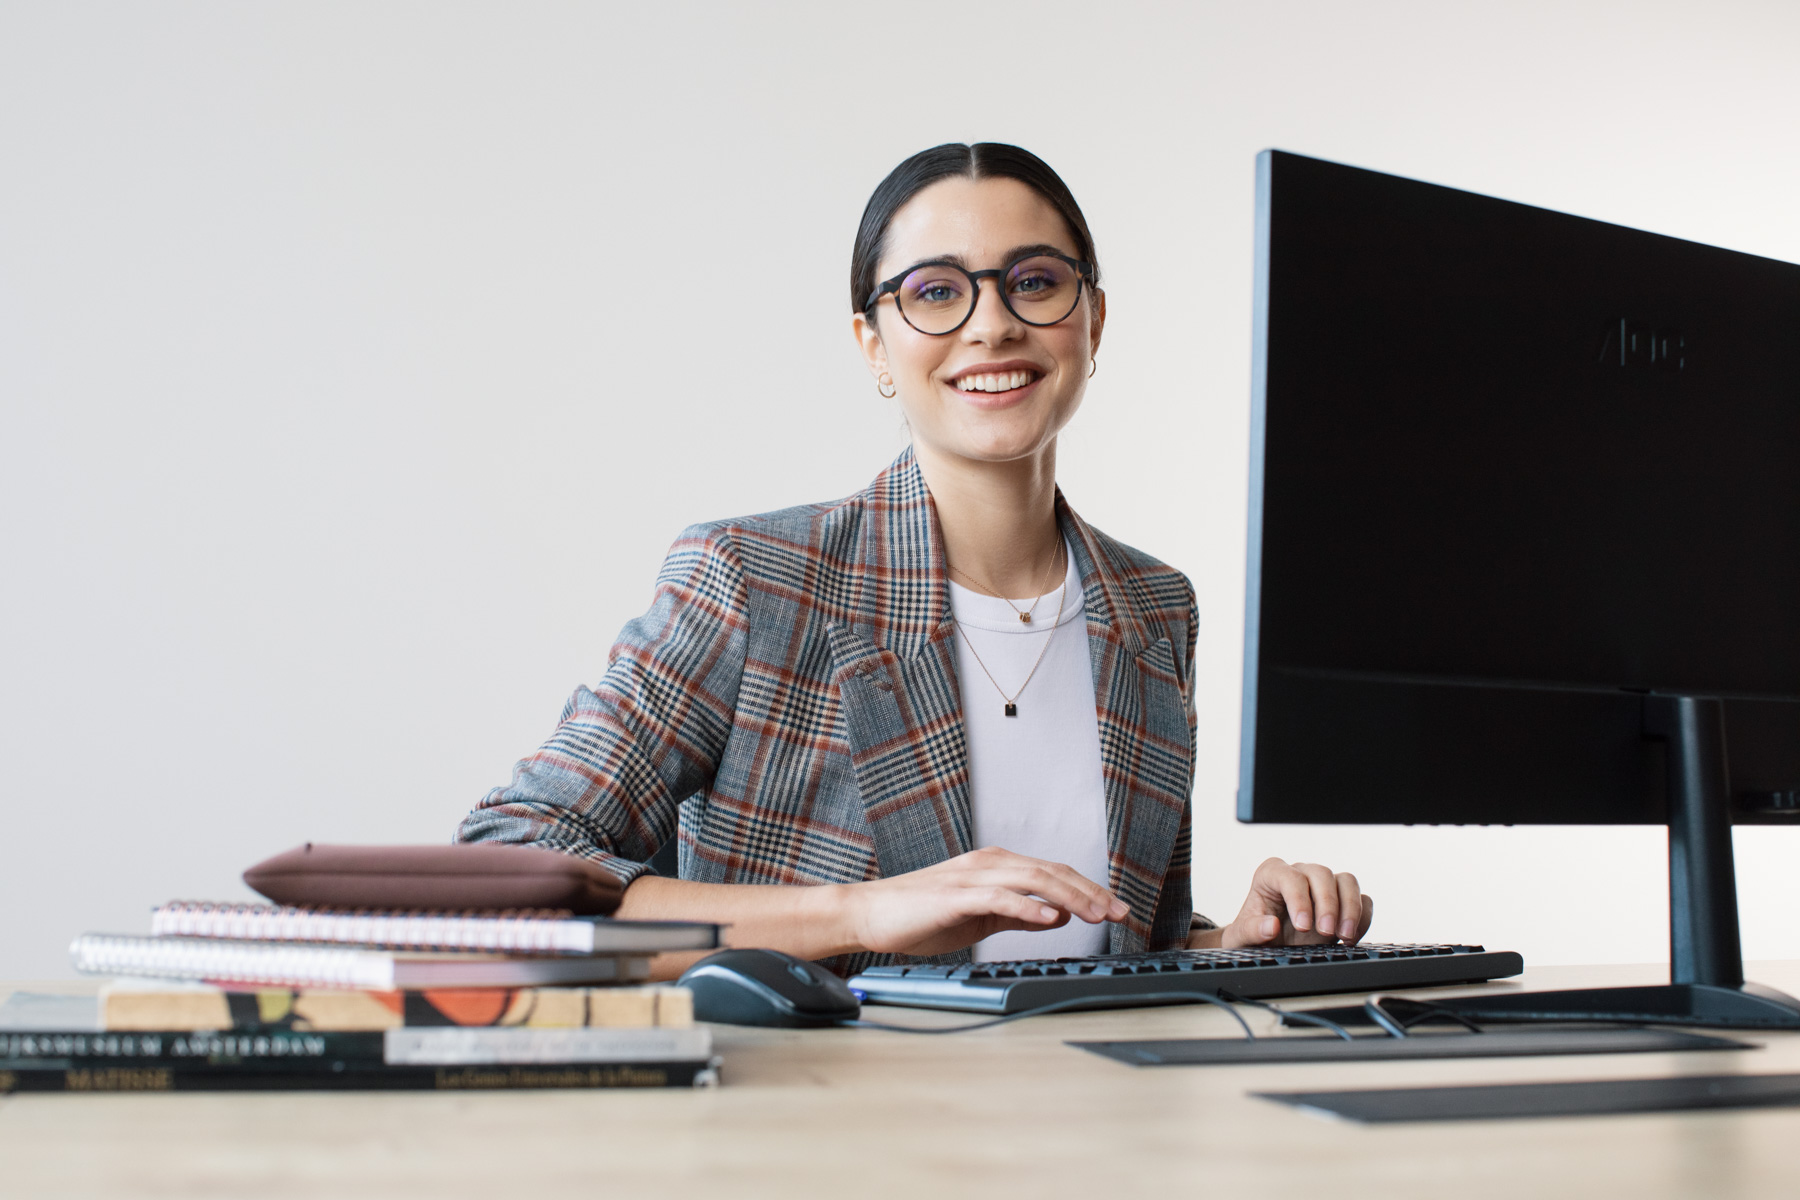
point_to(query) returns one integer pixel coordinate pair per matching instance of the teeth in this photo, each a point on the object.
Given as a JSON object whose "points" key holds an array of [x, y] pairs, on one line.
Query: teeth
{"points": [[1002, 381]]}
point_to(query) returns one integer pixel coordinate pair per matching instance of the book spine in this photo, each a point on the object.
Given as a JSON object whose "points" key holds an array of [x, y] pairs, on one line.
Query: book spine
{"points": [[32, 1050], [154, 1078], [474, 1047], [135, 1008], [334, 1051]]}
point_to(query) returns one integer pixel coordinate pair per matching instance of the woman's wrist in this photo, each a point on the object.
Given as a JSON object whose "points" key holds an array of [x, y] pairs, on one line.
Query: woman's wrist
{"points": [[830, 914], [808, 920]]}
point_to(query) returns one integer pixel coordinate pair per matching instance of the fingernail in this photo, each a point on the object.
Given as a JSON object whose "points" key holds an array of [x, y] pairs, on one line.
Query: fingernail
{"points": [[1347, 929], [1118, 910], [1302, 920], [1268, 926], [1046, 913]]}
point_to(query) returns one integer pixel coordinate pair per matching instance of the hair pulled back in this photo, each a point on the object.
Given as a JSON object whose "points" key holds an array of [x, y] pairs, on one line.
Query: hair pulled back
{"points": [[983, 160]]}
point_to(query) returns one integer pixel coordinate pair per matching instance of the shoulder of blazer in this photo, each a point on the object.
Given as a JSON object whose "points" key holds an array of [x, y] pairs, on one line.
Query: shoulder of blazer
{"points": [[869, 562], [1156, 592], [810, 546]]}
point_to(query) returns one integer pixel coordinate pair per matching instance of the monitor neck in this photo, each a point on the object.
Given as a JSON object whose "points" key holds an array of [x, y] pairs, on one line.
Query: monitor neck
{"points": [[1704, 945]]}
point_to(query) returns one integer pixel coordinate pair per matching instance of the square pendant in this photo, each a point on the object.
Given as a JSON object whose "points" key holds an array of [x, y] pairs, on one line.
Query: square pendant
{"points": [[1012, 710]]}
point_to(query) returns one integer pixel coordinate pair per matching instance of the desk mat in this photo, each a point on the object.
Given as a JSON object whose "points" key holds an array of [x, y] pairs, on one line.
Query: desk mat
{"points": [[1593, 1097], [1238, 1051]]}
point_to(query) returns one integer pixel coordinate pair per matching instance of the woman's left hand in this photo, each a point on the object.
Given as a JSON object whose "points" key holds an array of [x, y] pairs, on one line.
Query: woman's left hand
{"points": [[1295, 904]]}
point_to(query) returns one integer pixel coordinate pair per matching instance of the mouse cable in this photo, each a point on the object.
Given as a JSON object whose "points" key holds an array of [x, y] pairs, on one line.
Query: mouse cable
{"points": [[1305, 1018], [1087, 1002], [1396, 1026]]}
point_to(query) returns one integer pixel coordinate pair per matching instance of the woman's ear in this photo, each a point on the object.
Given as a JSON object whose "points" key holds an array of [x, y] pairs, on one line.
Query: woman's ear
{"points": [[868, 340], [1097, 322]]}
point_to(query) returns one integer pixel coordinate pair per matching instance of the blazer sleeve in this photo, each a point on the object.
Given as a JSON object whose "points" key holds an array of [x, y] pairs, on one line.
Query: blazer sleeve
{"points": [[627, 752], [1175, 915]]}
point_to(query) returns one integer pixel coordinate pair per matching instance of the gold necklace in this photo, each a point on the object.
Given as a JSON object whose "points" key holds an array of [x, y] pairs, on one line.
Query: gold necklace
{"points": [[1012, 701], [1024, 614]]}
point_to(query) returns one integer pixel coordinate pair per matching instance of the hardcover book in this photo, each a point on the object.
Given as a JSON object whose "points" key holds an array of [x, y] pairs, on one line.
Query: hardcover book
{"points": [[397, 1059], [155, 1005], [392, 1047], [697, 1073]]}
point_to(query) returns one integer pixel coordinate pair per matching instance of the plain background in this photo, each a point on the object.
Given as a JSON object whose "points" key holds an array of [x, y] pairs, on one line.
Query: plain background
{"points": [[358, 362]]}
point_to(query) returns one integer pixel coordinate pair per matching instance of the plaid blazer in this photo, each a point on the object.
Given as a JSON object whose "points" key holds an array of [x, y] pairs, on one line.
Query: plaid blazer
{"points": [[789, 709]]}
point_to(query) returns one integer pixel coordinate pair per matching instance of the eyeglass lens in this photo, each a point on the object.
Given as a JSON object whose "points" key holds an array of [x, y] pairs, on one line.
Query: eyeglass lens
{"points": [[938, 297]]}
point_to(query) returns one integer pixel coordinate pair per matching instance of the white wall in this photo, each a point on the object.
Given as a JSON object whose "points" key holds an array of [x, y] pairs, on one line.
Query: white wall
{"points": [[359, 361]]}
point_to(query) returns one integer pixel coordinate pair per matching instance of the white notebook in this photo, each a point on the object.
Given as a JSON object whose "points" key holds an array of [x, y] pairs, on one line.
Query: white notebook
{"points": [[302, 965], [525, 932]]}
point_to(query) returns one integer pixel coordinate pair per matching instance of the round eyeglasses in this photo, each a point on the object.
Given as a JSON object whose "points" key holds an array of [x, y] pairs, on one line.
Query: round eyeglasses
{"points": [[939, 297]]}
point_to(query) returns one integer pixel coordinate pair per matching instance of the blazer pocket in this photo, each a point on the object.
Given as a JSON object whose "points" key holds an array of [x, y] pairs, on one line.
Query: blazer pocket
{"points": [[903, 721]]}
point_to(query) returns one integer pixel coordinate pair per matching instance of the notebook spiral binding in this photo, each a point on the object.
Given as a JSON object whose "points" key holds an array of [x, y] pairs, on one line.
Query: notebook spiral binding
{"points": [[510, 931]]}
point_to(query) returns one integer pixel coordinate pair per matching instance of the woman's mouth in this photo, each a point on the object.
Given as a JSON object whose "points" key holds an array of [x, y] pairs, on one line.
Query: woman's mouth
{"points": [[997, 383]]}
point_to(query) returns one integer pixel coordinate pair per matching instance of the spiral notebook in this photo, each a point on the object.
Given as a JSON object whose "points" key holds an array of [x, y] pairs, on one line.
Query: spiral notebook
{"points": [[298, 964], [524, 931]]}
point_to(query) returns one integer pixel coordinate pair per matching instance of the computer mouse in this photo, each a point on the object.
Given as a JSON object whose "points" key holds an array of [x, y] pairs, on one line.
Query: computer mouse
{"points": [[767, 987]]}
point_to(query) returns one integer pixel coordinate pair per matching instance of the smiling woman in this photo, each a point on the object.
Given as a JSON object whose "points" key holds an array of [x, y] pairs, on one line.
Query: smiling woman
{"points": [[944, 717]]}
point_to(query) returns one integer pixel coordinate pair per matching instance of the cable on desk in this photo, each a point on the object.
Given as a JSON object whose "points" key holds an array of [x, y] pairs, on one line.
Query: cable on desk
{"points": [[1382, 1017], [1376, 1007], [1088, 1002], [1427, 1010], [1304, 1018]]}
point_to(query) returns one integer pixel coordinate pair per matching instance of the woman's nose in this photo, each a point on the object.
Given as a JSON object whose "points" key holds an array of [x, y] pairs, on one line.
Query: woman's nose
{"points": [[992, 321]]}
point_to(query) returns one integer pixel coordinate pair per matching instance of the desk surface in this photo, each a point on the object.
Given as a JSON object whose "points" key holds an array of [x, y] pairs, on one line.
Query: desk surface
{"points": [[856, 1113]]}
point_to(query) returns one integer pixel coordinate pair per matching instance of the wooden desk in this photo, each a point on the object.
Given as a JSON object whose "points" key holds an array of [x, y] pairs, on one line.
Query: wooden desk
{"points": [[854, 1113]]}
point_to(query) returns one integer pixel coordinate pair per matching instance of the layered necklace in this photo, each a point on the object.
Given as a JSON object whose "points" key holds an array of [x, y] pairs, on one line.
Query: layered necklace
{"points": [[1012, 701]]}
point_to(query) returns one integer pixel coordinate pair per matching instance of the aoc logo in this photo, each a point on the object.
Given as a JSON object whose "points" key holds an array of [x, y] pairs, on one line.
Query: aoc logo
{"points": [[1629, 343]]}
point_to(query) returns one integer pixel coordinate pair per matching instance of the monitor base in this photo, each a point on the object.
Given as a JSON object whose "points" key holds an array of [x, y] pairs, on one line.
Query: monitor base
{"points": [[1709, 1006]]}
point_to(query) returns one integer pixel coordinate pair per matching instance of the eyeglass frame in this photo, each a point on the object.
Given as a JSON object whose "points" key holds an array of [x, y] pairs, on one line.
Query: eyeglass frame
{"points": [[1084, 275]]}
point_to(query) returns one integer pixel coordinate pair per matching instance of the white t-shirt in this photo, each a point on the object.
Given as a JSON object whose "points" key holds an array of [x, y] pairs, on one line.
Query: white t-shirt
{"points": [[1034, 779]]}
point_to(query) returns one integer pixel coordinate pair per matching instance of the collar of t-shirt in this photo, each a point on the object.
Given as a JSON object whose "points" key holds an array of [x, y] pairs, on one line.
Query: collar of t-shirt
{"points": [[976, 610]]}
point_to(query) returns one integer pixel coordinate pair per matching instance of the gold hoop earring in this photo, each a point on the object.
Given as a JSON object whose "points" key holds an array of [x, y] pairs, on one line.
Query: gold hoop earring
{"points": [[884, 380], [1093, 365]]}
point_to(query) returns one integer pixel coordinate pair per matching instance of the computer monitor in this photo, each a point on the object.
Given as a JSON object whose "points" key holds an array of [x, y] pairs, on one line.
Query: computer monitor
{"points": [[1524, 538]]}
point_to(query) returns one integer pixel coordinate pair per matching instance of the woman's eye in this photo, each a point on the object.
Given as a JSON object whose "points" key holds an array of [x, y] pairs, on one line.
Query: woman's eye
{"points": [[936, 293], [1030, 284]]}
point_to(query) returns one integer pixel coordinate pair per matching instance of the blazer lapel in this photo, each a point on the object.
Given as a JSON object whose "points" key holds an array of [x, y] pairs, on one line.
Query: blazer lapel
{"points": [[894, 667], [1142, 715]]}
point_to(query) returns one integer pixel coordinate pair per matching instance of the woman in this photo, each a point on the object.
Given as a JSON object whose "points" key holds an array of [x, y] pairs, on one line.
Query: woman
{"points": [[872, 750]]}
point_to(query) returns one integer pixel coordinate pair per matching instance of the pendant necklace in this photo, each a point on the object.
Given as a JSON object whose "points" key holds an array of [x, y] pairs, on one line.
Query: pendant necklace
{"points": [[1012, 701], [1024, 613]]}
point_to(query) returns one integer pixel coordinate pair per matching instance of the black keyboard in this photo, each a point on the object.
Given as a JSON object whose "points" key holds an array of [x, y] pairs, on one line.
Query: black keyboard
{"points": [[1009, 987]]}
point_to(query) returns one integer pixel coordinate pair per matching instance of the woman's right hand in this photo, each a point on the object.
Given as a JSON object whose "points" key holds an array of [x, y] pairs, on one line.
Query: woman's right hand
{"points": [[958, 902]]}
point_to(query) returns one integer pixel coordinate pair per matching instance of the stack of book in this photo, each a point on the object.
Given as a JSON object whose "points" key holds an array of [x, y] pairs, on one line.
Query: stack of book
{"points": [[243, 997]]}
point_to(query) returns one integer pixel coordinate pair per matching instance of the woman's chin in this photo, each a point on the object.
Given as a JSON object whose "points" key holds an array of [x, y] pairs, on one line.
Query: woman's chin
{"points": [[1005, 437], [1000, 446], [991, 435]]}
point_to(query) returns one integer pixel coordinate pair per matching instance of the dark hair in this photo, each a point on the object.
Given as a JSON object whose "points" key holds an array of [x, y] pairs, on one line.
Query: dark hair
{"points": [[983, 160]]}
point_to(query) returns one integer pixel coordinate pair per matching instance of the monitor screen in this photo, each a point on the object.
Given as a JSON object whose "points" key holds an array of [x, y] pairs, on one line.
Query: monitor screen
{"points": [[1511, 470]]}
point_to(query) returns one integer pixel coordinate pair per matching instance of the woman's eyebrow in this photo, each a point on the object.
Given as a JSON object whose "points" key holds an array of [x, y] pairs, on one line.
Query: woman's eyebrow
{"points": [[1013, 255], [1018, 252]]}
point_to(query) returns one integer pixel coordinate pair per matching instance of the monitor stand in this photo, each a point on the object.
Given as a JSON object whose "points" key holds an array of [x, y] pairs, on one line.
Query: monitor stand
{"points": [[1706, 964]]}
